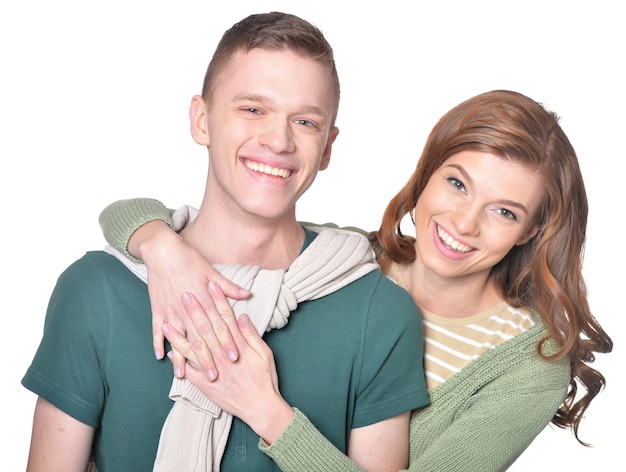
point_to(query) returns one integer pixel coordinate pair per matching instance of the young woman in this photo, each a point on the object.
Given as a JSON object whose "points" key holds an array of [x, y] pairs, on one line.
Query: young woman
{"points": [[500, 212]]}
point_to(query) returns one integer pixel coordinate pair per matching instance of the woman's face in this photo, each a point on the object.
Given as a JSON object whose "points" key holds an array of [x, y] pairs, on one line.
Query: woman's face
{"points": [[474, 209]]}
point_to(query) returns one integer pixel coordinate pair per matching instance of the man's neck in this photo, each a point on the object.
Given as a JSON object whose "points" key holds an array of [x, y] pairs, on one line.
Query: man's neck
{"points": [[268, 244]]}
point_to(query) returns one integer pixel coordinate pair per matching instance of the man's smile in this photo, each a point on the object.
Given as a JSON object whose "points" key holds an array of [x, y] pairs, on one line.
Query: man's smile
{"points": [[266, 169]]}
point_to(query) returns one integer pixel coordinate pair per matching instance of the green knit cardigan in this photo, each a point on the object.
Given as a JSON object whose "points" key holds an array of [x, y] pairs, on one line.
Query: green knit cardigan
{"points": [[481, 419]]}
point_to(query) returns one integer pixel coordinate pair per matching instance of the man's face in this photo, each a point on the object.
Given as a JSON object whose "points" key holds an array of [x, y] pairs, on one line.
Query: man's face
{"points": [[268, 128]]}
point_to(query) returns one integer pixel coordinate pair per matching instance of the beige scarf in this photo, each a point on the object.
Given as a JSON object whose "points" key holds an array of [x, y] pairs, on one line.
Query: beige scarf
{"points": [[195, 432]]}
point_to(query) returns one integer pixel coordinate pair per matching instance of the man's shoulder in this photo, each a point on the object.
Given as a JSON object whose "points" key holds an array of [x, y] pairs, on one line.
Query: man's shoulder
{"points": [[378, 293], [96, 259], [99, 290], [386, 285], [94, 269]]}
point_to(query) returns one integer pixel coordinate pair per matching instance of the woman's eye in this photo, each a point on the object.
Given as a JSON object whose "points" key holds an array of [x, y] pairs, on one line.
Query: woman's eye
{"points": [[456, 183], [507, 214]]}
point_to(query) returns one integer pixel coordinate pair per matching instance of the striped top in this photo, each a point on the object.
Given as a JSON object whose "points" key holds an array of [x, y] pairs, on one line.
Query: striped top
{"points": [[452, 343]]}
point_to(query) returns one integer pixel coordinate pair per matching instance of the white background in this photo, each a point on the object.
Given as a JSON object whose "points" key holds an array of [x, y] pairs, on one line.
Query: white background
{"points": [[93, 108]]}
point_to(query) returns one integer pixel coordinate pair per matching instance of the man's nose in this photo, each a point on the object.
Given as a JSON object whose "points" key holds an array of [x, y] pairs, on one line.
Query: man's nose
{"points": [[278, 136]]}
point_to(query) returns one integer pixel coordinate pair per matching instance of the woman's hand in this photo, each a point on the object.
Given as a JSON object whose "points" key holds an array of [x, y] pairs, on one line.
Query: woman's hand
{"points": [[173, 269], [246, 388]]}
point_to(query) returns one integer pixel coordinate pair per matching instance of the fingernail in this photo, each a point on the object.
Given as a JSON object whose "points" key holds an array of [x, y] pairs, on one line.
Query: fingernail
{"points": [[186, 298], [158, 354], [244, 320], [211, 374], [232, 355], [178, 372]]}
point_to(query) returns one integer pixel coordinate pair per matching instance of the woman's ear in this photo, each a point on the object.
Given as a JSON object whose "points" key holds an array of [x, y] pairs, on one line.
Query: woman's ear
{"points": [[531, 233], [198, 119]]}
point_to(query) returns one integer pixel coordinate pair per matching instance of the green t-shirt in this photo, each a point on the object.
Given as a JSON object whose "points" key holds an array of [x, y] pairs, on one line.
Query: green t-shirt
{"points": [[347, 360], [96, 361]]}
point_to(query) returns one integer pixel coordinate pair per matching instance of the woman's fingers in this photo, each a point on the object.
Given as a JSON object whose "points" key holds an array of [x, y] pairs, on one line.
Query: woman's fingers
{"points": [[186, 348], [226, 329], [175, 267], [203, 347], [208, 331], [230, 288], [214, 322], [165, 312], [242, 330], [213, 334], [253, 340]]}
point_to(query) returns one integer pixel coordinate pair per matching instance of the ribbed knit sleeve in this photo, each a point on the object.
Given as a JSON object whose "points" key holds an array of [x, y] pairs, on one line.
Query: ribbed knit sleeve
{"points": [[302, 447], [122, 218], [480, 420]]}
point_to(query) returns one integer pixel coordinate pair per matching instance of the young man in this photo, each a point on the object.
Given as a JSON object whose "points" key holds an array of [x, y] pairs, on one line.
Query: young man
{"points": [[267, 116]]}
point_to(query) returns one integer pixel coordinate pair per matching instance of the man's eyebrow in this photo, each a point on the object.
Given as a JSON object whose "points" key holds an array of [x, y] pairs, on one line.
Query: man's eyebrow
{"points": [[251, 97], [314, 110]]}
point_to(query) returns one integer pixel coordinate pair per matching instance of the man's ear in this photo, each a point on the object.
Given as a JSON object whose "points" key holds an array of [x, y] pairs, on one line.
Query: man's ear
{"points": [[531, 233], [198, 119], [329, 146]]}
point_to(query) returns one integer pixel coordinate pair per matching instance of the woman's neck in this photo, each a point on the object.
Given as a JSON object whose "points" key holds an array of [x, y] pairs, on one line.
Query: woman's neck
{"points": [[457, 297]]}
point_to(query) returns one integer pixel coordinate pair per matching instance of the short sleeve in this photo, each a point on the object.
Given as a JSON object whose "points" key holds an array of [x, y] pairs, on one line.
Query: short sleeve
{"points": [[392, 378]]}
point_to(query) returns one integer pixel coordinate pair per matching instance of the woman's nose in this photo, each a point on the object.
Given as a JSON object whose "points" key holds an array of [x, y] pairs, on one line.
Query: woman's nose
{"points": [[466, 220]]}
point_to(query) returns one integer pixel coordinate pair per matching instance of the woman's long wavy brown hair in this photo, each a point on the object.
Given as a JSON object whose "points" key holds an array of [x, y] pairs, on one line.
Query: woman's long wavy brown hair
{"points": [[544, 274]]}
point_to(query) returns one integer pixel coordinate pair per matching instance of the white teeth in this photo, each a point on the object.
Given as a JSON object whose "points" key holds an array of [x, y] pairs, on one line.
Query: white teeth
{"points": [[451, 242], [265, 169]]}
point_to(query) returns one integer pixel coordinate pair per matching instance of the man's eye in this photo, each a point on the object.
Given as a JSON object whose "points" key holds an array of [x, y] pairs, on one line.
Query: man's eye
{"points": [[306, 123]]}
